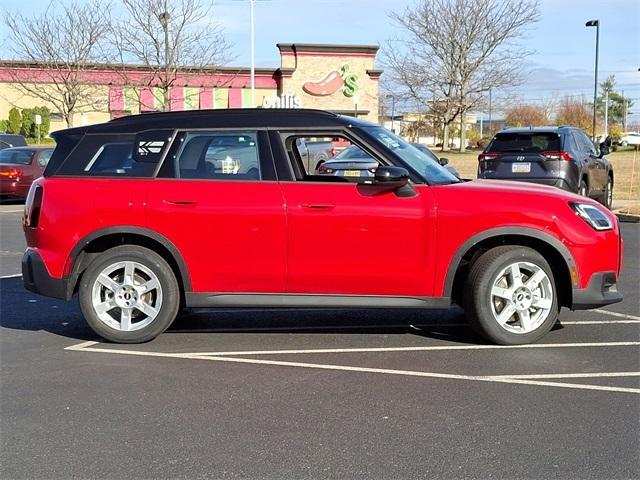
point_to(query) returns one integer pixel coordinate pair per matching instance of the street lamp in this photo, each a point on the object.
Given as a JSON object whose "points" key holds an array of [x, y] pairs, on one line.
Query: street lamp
{"points": [[164, 21], [393, 110], [595, 23]]}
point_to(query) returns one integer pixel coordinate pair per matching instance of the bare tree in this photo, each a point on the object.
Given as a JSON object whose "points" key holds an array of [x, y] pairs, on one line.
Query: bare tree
{"points": [[63, 42], [170, 38], [527, 115], [453, 51]]}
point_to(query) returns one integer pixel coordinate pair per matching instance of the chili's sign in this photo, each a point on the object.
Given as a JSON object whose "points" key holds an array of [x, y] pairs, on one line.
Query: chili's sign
{"points": [[332, 82]]}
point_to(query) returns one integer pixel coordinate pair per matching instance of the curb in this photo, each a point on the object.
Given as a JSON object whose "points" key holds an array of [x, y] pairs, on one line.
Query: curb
{"points": [[624, 218]]}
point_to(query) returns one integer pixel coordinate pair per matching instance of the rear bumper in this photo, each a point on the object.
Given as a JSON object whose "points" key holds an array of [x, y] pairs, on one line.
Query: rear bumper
{"points": [[602, 290], [13, 189], [550, 181], [36, 278]]}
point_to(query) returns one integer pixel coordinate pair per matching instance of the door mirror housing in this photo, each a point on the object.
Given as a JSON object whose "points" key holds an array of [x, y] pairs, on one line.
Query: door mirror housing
{"points": [[443, 161], [393, 177], [604, 150]]}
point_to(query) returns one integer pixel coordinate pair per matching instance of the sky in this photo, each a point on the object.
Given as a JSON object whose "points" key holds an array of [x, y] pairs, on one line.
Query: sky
{"points": [[563, 62]]}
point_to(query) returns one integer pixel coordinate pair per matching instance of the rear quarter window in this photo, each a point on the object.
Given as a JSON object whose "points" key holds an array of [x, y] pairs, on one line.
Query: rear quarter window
{"points": [[111, 155], [526, 142]]}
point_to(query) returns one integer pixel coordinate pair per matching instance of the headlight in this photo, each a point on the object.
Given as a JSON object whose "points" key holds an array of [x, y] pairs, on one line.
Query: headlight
{"points": [[593, 215]]}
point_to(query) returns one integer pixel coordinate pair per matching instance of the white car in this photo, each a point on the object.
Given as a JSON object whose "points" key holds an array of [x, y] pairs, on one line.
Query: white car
{"points": [[630, 138]]}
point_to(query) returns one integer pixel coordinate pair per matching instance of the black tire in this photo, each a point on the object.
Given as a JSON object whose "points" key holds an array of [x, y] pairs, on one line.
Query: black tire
{"points": [[607, 196], [169, 288], [583, 190], [477, 300]]}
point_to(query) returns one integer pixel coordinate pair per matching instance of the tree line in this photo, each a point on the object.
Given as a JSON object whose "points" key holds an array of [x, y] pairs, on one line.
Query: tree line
{"points": [[70, 40]]}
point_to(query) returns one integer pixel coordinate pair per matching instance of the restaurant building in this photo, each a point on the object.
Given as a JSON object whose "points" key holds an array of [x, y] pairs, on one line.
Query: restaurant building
{"points": [[338, 78]]}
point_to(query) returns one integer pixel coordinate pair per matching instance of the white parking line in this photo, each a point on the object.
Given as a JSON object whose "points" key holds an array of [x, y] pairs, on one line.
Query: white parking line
{"points": [[12, 211], [386, 349], [411, 373], [15, 275], [616, 314]]}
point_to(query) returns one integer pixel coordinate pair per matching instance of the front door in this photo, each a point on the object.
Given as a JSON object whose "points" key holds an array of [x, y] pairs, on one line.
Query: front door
{"points": [[347, 238]]}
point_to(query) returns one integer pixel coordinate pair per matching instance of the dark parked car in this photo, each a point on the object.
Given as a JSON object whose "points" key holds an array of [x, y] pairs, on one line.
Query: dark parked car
{"points": [[19, 167], [354, 162], [441, 160], [563, 157], [8, 140]]}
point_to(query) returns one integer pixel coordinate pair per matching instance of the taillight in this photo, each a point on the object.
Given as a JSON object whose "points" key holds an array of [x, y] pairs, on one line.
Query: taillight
{"points": [[487, 156], [324, 169], [11, 174], [32, 206], [557, 155]]}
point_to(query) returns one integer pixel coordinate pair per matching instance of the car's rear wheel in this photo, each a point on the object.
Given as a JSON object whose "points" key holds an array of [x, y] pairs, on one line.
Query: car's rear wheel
{"points": [[511, 295], [607, 196], [583, 188], [129, 294]]}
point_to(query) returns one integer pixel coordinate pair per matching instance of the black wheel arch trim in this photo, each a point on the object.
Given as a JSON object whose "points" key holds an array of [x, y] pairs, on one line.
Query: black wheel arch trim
{"points": [[133, 230], [498, 232]]}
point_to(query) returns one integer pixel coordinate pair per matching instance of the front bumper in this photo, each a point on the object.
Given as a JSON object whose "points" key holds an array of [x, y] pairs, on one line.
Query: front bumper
{"points": [[602, 290], [36, 278]]}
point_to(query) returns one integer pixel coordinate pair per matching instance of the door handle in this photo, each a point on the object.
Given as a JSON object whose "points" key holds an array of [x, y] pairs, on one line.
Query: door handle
{"points": [[318, 206], [180, 203]]}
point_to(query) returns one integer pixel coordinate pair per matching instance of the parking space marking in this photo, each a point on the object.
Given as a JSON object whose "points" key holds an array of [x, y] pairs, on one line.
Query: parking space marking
{"points": [[535, 380], [15, 275], [392, 349], [600, 322], [616, 314], [12, 211]]}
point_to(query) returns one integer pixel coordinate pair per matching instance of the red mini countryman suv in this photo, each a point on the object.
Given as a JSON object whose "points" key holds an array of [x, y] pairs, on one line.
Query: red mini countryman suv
{"points": [[144, 215]]}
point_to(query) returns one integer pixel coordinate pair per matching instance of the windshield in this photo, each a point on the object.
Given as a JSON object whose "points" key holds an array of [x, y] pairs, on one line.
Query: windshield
{"points": [[425, 166], [522, 142], [16, 157]]}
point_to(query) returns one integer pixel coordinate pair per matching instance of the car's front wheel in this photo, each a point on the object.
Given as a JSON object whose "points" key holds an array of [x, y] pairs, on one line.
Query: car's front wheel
{"points": [[129, 294], [511, 295]]}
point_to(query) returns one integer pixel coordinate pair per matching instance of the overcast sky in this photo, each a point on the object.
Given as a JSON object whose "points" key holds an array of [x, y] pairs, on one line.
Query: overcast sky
{"points": [[564, 48]]}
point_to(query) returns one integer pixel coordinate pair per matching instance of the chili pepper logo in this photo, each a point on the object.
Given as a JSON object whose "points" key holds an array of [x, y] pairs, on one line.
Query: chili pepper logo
{"points": [[332, 82]]}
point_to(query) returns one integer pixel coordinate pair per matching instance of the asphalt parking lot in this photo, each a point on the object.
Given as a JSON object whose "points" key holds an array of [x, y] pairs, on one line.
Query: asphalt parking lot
{"points": [[284, 394]]}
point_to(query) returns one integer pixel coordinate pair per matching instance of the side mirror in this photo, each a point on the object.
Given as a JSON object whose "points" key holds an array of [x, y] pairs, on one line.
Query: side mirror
{"points": [[393, 177], [604, 150], [443, 161]]}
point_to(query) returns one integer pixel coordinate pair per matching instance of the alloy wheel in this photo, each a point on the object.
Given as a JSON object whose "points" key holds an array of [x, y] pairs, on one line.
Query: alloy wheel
{"points": [[521, 297], [126, 296]]}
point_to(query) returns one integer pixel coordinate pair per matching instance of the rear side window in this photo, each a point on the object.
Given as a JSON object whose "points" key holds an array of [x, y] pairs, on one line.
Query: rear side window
{"points": [[223, 155], [112, 156], [525, 142], [16, 157], [44, 157]]}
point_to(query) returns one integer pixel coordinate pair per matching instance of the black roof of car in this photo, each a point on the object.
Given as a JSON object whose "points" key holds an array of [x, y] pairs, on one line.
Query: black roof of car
{"points": [[220, 118], [551, 129]]}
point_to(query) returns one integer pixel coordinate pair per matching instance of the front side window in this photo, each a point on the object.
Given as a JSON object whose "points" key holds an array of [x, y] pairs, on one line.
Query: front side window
{"points": [[329, 158], [218, 156]]}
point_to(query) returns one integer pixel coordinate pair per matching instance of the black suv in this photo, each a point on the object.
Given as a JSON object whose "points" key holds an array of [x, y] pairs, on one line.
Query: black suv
{"points": [[560, 156]]}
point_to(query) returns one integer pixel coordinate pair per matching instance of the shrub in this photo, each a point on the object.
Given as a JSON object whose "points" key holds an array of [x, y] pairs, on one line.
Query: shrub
{"points": [[15, 121]]}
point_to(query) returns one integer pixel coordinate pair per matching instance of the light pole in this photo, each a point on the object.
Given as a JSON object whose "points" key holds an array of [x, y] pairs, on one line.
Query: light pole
{"points": [[393, 110], [164, 21], [595, 23], [253, 55]]}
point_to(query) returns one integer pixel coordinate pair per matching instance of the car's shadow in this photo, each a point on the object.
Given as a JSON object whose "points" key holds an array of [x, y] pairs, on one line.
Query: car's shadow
{"points": [[23, 310]]}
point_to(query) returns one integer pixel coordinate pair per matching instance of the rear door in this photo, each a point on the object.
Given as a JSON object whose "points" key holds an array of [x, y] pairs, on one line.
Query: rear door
{"points": [[596, 169], [523, 156], [217, 200]]}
